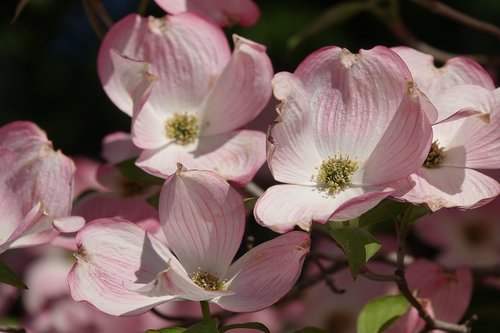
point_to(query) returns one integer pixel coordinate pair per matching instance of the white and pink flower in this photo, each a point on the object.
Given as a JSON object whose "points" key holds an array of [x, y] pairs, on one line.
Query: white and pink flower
{"points": [[348, 124], [37, 187], [123, 270], [466, 134], [191, 105]]}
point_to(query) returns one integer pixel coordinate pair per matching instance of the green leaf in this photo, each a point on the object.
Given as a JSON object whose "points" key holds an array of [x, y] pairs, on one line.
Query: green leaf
{"points": [[252, 325], [168, 330], [131, 171], [210, 326], [380, 312], [7, 276], [250, 202], [385, 210], [358, 245], [413, 213], [311, 330], [154, 200]]}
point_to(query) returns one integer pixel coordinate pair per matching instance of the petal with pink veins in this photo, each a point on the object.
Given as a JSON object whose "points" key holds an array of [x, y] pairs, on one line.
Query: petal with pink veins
{"points": [[282, 207], [203, 220], [447, 187], [242, 90], [118, 147], [113, 256], [186, 52], [236, 156], [265, 273]]}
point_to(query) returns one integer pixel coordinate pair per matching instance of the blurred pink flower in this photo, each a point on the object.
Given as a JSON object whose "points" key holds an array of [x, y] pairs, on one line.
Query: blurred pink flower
{"points": [[466, 135], [37, 187], [446, 295], [191, 106], [223, 12], [348, 124], [470, 238], [123, 270], [50, 309]]}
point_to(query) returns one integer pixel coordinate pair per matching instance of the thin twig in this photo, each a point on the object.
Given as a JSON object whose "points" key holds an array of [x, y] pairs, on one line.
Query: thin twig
{"points": [[370, 275], [328, 280], [101, 11], [451, 13], [143, 6], [93, 19]]}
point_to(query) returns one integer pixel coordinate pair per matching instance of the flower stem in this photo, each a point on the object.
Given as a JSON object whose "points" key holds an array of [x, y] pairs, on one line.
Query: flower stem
{"points": [[205, 310]]}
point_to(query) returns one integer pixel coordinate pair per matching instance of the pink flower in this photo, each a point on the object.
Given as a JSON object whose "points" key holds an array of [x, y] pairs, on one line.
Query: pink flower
{"points": [[223, 12], [191, 107], [470, 238], [466, 135], [123, 270], [348, 124], [37, 187], [445, 295]]}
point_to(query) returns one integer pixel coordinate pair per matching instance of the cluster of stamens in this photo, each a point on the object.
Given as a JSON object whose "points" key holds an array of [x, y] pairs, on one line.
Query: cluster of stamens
{"points": [[183, 128], [435, 156], [207, 281], [335, 173]]}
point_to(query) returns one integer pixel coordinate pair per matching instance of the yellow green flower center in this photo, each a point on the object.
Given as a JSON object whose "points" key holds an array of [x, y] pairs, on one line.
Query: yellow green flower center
{"points": [[183, 128], [207, 281], [335, 174], [435, 156]]}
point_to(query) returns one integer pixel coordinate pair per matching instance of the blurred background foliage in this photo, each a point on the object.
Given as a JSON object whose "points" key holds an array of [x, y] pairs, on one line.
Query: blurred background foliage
{"points": [[48, 63]]}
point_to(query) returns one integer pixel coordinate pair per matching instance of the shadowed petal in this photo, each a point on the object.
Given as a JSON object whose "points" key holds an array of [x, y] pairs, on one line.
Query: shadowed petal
{"points": [[282, 207], [235, 156], [265, 273], [113, 256]]}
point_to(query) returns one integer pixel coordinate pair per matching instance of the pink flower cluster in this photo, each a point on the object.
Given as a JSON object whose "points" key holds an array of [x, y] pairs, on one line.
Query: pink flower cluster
{"points": [[352, 129]]}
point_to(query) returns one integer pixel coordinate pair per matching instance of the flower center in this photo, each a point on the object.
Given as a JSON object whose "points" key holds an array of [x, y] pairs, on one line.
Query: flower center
{"points": [[335, 173], [435, 156], [183, 128], [207, 281]]}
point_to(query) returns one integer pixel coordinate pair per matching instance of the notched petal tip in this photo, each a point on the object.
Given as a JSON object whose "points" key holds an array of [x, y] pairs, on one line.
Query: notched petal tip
{"points": [[485, 117], [240, 42], [347, 59], [180, 169]]}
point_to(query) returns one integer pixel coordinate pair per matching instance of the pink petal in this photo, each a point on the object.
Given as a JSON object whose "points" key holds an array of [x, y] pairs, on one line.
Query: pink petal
{"points": [[448, 187], [185, 52], [463, 98], [37, 187], [235, 156], [69, 224], [118, 147], [203, 219], [472, 142], [282, 207], [403, 147], [85, 175], [265, 273], [292, 153], [242, 90], [432, 80], [224, 12], [113, 256], [450, 293]]}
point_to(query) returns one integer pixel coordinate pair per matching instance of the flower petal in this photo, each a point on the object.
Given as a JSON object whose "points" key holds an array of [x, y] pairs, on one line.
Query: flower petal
{"points": [[432, 80], [235, 156], [225, 12], [242, 90], [450, 293], [265, 273], [447, 187], [113, 255], [282, 207], [203, 219], [186, 53], [403, 147], [292, 154], [118, 147]]}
